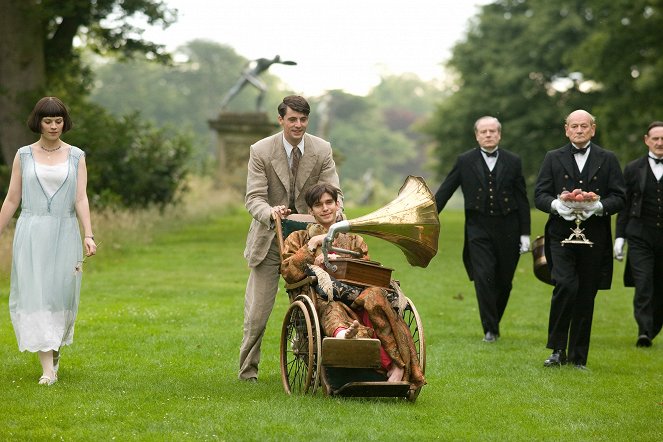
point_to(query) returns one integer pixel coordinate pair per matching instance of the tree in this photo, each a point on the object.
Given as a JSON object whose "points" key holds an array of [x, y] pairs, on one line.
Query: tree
{"points": [[39, 57], [508, 66], [623, 54], [184, 94], [531, 62]]}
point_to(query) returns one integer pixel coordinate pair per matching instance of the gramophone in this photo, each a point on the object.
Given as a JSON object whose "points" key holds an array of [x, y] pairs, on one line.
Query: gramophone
{"points": [[410, 222]]}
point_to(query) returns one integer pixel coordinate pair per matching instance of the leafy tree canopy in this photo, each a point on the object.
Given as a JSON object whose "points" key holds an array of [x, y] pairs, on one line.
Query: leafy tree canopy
{"points": [[531, 62]]}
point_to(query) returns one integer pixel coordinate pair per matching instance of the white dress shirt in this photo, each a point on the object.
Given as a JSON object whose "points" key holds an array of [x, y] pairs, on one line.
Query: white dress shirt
{"points": [[581, 159], [490, 161], [656, 168]]}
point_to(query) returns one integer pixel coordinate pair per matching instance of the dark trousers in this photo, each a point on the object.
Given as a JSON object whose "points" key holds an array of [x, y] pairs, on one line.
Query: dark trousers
{"points": [[645, 258], [576, 279], [493, 243]]}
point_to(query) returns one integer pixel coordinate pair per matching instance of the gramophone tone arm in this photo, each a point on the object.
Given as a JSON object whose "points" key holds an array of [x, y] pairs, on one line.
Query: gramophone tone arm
{"points": [[341, 226]]}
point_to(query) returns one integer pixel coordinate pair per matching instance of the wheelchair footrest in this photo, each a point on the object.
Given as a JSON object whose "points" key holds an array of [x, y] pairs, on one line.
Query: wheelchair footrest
{"points": [[351, 353], [373, 389]]}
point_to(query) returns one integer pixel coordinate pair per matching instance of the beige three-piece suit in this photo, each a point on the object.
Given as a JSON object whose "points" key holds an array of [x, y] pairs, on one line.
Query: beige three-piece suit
{"points": [[268, 185]]}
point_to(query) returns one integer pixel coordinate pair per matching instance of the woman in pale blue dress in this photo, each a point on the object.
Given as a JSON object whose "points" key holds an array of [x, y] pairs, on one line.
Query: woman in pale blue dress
{"points": [[49, 180]]}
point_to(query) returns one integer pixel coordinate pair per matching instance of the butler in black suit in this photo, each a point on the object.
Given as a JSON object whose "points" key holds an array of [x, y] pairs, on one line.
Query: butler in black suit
{"points": [[641, 223], [578, 271], [497, 219]]}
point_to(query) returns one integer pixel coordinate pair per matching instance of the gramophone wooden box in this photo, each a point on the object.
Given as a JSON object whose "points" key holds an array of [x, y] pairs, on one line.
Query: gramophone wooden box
{"points": [[360, 272]]}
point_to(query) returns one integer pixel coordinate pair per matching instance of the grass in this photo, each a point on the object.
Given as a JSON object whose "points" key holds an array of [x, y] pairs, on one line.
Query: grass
{"points": [[158, 333]]}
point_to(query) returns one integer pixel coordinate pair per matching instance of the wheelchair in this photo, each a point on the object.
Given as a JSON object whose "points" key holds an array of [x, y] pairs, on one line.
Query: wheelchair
{"points": [[310, 361]]}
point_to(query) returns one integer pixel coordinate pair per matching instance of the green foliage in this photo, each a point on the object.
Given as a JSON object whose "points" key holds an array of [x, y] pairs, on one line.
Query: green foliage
{"points": [[156, 347], [531, 62], [132, 163], [507, 67], [376, 137], [104, 27], [623, 53], [186, 94]]}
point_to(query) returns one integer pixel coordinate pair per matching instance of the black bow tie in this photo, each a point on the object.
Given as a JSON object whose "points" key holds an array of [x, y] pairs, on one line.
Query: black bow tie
{"points": [[579, 151], [490, 154], [657, 160]]}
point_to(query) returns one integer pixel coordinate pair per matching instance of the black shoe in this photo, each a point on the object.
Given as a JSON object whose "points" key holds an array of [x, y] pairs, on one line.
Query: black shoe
{"points": [[556, 359], [580, 367], [643, 341], [490, 337]]}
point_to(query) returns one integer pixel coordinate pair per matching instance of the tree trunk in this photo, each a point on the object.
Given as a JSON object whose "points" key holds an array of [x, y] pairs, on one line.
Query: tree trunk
{"points": [[22, 71]]}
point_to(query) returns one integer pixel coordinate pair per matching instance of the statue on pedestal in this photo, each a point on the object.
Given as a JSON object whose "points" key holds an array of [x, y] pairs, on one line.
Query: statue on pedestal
{"points": [[250, 75]]}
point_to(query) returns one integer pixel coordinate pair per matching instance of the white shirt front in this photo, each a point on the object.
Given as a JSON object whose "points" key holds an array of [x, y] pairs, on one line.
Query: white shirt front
{"points": [[51, 177], [656, 168], [490, 161], [581, 159]]}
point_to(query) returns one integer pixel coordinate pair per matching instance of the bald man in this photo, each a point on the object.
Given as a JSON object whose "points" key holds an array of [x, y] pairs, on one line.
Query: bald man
{"points": [[578, 271]]}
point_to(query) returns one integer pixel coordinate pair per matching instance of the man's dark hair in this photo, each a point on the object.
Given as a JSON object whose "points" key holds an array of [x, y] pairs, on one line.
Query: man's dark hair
{"points": [[296, 103], [653, 125], [49, 107], [315, 193]]}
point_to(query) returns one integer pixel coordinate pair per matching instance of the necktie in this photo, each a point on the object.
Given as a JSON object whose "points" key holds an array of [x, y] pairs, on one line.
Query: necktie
{"points": [[296, 155], [579, 151], [491, 154], [657, 160]]}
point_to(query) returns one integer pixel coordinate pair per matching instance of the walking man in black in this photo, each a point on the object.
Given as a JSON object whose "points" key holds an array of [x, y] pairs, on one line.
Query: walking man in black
{"points": [[641, 224], [497, 219], [578, 271]]}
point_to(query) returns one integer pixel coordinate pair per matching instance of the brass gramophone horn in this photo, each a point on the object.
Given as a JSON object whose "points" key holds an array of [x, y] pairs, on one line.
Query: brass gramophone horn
{"points": [[410, 222]]}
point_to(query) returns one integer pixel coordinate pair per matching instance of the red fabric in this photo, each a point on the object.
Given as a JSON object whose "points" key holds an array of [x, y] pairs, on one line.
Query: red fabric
{"points": [[385, 360]]}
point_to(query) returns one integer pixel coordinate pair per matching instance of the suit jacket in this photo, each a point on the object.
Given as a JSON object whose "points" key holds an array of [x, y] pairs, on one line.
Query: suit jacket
{"points": [[635, 177], [605, 178], [268, 185], [469, 174]]}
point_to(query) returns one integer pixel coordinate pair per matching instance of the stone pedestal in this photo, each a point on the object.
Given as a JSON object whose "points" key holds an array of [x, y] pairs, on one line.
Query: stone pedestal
{"points": [[235, 133]]}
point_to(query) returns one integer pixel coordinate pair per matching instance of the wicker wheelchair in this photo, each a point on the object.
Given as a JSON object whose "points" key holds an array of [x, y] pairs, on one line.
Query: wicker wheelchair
{"points": [[349, 367]]}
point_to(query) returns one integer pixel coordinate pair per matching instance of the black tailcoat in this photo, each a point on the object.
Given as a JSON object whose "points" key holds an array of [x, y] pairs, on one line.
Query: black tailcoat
{"points": [[578, 270], [497, 213]]}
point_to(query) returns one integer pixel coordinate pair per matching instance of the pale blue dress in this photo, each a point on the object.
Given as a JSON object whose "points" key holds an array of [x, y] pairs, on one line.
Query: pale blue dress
{"points": [[47, 251]]}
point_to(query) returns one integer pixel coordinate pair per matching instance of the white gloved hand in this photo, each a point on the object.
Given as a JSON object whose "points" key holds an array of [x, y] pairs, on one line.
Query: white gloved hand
{"points": [[619, 249], [594, 209], [562, 210], [524, 244]]}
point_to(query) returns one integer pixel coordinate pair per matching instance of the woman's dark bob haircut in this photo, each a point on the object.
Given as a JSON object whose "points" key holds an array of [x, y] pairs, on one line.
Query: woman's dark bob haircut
{"points": [[49, 107]]}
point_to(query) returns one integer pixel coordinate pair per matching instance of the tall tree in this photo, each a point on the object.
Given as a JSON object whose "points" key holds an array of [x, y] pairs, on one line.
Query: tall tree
{"points": [[38, 54], [186, 93], [623, 54], [511, 65]]}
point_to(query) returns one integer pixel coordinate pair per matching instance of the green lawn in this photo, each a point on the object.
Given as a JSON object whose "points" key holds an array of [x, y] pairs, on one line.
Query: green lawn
{"points": [[158, 333]]}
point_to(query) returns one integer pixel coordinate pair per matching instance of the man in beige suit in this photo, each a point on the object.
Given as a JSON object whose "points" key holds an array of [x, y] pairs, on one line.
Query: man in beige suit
{"points": [[271, 188]]}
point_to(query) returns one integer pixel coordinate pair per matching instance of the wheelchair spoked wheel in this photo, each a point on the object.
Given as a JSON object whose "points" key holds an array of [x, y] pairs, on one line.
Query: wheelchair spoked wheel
{"points": [[413, 321], [297, 349], [317, 340]]}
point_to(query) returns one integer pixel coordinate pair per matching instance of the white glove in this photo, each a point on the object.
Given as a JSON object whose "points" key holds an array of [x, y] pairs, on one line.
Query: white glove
{"points": [[524, 244], [619, 249], [562, 210], [594, 209]]}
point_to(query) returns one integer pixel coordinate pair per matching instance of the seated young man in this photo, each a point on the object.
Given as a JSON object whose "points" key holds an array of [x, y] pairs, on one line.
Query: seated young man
{"points": [[369, 313]]}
